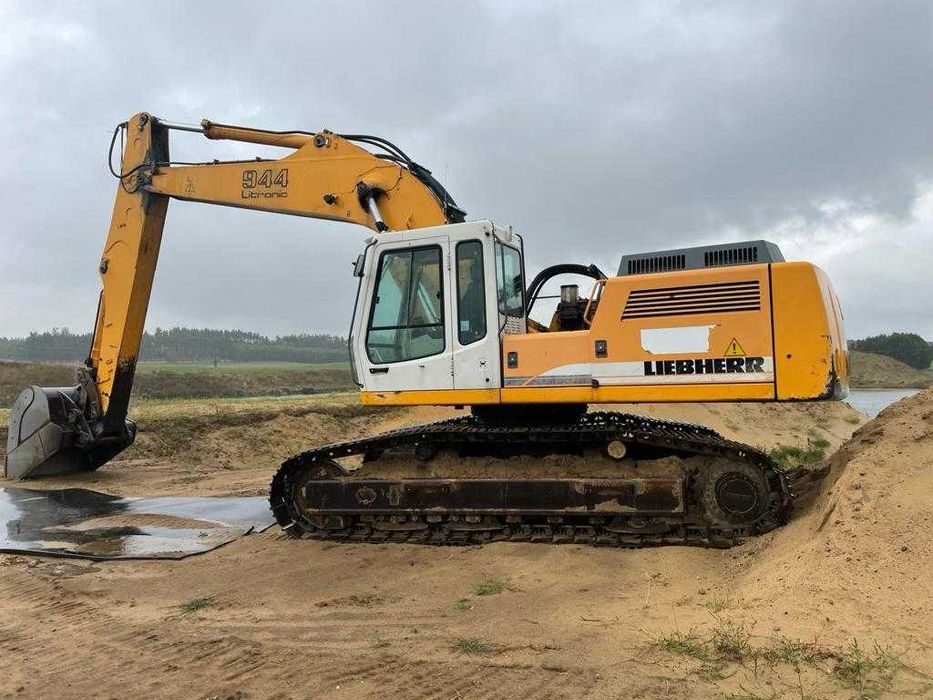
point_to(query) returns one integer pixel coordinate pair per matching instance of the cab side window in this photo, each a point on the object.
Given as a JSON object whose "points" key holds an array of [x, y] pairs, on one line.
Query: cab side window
{"points": [[509, 283], [471, 293], [407, 320]]}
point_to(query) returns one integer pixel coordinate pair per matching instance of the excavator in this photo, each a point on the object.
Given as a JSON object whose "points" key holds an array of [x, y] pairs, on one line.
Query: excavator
{"points": [[442, 317]]}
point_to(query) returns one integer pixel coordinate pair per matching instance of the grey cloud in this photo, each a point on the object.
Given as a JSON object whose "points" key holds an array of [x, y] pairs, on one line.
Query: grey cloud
{"points": [[594, 130]]}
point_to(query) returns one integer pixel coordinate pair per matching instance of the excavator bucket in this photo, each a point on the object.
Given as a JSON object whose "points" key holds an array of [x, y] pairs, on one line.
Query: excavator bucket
{"points": [[49, 434]]}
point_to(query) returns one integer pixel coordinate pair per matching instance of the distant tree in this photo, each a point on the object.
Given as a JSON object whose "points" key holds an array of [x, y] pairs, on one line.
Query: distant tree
{"points": [[183, 345], [909, 348]]}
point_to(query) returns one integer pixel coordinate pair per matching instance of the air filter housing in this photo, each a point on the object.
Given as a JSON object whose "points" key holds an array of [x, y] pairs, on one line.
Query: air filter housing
{"points": [[701, 257]]}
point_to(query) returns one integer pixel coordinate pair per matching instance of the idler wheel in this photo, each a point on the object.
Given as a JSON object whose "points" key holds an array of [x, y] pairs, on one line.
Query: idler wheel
{"points": [[319, 470]]}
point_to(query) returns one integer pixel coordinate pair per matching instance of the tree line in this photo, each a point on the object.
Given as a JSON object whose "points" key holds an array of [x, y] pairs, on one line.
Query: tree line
{"points": [[183, 345], [909, 348]]}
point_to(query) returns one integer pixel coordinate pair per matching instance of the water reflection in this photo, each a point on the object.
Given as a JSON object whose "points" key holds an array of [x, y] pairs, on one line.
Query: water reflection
{"points": [[90, 524]]}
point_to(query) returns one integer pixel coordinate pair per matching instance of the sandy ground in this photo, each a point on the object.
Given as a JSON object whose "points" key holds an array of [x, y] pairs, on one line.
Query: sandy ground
{"points": [[272, 617]]}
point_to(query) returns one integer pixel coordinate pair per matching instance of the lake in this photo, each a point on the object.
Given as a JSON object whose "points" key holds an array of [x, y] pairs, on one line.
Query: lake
{"points": [[872, 401]]}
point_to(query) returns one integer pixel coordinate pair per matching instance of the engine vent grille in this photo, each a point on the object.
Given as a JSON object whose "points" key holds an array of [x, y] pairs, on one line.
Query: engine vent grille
{"points": [[696, 299], [731, 256], [701, 257], [656, 263]]}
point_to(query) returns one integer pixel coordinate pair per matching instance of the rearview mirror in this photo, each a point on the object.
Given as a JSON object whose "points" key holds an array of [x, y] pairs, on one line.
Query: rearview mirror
{"points": [[358, 265]]}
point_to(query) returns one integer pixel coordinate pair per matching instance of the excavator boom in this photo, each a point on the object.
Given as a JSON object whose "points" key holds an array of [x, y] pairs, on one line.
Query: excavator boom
{"points": [[326, 176]]}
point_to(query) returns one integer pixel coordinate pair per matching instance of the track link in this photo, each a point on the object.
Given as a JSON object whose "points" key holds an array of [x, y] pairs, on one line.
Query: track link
{"points": [[694, 524]]}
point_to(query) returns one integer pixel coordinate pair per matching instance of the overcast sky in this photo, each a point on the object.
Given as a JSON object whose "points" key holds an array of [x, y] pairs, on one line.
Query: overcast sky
{"points": [[594, 129]]}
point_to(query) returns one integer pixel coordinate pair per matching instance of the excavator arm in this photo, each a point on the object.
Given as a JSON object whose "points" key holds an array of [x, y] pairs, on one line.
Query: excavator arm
{"points": [[326, 176]]}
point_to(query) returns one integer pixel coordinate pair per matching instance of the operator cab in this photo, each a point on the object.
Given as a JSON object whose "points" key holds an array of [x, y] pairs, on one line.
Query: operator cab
{"points": [[431, 309]]}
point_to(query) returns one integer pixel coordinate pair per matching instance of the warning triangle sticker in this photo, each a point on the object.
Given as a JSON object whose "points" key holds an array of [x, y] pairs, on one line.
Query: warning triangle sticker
{"points": [[734, 349]]}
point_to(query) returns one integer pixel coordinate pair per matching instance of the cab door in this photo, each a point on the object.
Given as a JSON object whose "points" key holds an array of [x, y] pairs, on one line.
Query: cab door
{"points": [[475, 328], [402, 338]]}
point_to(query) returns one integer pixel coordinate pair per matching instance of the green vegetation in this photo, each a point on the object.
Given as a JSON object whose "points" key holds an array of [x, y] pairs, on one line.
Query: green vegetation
{"points": [[908, 348], [183, 345], [793, 456], [731, 640], [192, 606], [869, 673], [198, 367], [872, 371], [492, 586], [790, 651], [686, 644], [463, 604], [472, 645], [168, 381], [716, 605]]}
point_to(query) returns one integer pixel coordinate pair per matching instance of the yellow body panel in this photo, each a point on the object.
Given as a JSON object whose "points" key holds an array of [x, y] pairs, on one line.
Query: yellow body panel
{"points": [[781, 319], [809, 339]]}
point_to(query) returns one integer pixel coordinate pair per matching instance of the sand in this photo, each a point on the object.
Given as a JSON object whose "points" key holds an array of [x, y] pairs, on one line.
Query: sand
{"points": [[267, 616]]}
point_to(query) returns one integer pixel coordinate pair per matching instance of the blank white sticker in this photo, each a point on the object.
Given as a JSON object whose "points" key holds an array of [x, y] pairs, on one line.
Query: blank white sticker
{"points": [[668, 341]]}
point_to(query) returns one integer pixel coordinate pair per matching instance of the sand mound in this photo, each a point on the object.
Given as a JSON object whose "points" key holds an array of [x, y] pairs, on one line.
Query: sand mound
{"points": [[861, 555], [870, 370], [774, 618]]}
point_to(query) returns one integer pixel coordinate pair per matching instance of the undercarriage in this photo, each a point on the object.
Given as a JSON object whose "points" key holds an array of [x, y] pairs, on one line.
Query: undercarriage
{"points": [[604, 478]]}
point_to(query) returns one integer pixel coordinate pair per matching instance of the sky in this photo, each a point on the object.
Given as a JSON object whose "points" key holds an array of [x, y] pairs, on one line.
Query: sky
{"points": [[594, 129]]}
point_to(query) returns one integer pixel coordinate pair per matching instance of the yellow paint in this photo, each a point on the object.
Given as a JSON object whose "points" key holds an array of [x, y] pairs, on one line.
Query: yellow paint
{"points": [[127, 265], [808, 335], [296, 184], [540, 352]]}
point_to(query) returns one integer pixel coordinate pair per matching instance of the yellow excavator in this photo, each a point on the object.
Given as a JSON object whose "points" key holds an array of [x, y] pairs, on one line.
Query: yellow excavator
{"points": [[442, 318]]}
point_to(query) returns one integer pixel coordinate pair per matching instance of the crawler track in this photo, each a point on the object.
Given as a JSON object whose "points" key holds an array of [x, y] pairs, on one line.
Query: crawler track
{"points": [[313, 496]]}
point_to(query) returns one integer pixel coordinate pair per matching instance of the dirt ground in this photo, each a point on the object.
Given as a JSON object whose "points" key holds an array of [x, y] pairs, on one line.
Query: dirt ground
{"points": [[267, 616]]}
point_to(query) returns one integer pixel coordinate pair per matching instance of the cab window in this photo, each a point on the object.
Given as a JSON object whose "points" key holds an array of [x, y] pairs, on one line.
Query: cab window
{"points": [[407, 319], [471, 293], [509, 283]]}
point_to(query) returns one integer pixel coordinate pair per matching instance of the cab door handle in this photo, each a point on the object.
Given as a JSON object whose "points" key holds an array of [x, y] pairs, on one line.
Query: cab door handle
{"points": [[378, 370]]}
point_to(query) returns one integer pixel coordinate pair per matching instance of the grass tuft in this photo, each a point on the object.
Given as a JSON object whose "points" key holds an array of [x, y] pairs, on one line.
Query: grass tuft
{"points": [[792, 456], [472, 645], [716, 605], [189, 607], [685, 644], [869, 672], [493, 586], [731, 640], [463, 604], [790, 651]]}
